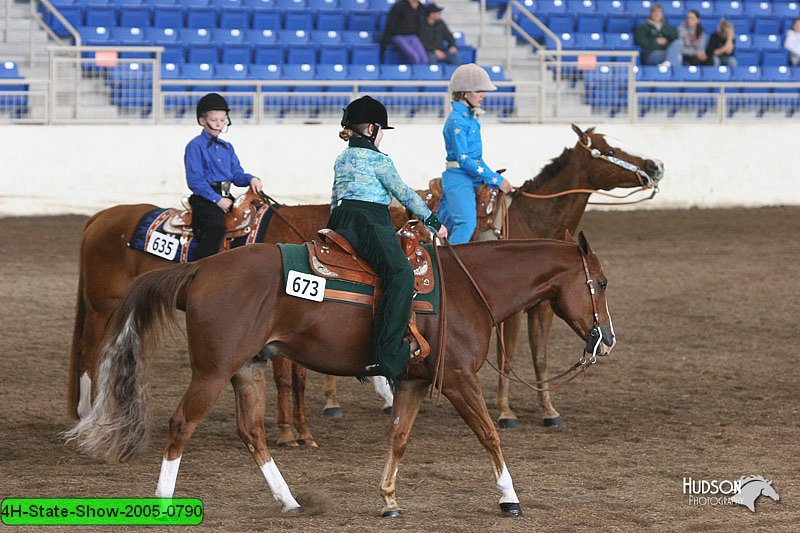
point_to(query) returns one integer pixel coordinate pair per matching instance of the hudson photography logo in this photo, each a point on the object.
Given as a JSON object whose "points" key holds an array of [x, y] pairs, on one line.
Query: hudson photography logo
{"points": [[743, 491]]}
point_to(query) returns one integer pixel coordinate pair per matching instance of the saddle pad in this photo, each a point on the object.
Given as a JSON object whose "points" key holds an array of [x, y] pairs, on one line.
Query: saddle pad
{"points": [[295, 257], [187, 248]]}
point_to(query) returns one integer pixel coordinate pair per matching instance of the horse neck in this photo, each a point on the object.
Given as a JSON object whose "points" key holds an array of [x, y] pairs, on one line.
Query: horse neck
{"points": [[549, 218], [527, 275]]}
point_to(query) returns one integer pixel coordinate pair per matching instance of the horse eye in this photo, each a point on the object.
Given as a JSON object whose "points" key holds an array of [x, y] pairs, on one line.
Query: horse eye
{"points": [[603, 284], [611, 152]]}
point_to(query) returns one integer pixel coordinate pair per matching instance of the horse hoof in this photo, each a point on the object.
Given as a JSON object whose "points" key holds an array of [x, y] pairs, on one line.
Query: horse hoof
{"points": [[293, 510], [333, 412], [387, 410], [507, 423], [511, 509], [554, 422], [287, 444], [309, 443], [392, 513]]}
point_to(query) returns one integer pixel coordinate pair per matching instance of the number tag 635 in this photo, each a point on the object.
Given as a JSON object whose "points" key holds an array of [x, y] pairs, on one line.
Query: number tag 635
{"points": [[306, 286], [163, 245]]}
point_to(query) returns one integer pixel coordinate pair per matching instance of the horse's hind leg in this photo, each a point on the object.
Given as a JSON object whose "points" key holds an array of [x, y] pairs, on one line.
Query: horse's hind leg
{"points": [[540, 319], [331, 408], [404, 411], [196, 403], [304, 435], [249, 386], [282, 374], [464, 392]]}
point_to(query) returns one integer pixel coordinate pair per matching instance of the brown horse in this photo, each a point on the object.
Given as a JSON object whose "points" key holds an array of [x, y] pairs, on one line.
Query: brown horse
{"points": [[236, 304], [591, 165], [107, 270]]}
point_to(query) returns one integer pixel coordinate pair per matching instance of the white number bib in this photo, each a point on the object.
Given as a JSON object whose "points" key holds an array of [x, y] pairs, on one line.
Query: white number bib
{"points": [[162, 245], [306, 286]]}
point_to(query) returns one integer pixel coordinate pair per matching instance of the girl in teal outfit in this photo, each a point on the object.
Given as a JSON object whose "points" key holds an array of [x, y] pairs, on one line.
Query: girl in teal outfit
{"points": [[365, 180]]}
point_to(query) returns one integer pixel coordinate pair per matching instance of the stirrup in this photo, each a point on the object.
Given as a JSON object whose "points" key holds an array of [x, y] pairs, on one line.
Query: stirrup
{"points": [[418, 347]]}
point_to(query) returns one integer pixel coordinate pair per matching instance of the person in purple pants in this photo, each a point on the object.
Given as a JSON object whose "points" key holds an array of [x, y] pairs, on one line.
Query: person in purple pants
{"points": [[402, 30]]}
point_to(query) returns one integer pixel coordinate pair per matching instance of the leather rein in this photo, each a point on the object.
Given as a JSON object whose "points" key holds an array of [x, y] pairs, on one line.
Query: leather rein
{"points": [[274, 205], [645, 182]]}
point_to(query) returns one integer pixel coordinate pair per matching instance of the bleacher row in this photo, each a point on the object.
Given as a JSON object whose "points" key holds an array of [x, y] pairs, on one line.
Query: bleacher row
{"points": [[611, 24], [13, 97]]}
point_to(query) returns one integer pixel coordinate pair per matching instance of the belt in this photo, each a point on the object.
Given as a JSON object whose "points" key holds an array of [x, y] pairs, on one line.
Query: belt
{"points": [[222, 188], [453, 164]]}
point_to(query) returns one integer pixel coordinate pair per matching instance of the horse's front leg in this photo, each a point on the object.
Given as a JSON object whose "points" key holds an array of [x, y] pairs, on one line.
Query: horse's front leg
{"points": [[407, 400], [304, 436], [249, 387], [507, 418], [540, 319], [331, 408], [464, 392], [282, 374]]}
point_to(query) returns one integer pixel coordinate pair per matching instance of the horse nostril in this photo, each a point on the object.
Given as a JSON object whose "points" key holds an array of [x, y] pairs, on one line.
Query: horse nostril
{"points": [[651, 168]]}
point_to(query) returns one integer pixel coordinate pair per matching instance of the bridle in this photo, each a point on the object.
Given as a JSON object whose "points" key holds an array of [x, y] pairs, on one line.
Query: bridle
{"points": [[645, 181], [594, 337]]}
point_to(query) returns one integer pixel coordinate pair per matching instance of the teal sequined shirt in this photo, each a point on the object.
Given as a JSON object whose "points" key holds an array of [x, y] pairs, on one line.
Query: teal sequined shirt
{"points": [[363, 173]]}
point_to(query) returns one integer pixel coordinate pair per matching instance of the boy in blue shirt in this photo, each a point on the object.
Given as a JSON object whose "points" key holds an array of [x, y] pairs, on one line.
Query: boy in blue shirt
{"points": [[365, 180], [211, 166]]}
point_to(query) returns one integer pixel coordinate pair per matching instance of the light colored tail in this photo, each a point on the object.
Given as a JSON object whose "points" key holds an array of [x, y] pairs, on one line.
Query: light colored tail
{"points": [[117, 428]]}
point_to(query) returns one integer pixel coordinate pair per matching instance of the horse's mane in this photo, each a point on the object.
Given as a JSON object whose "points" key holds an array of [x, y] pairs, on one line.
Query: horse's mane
{"points": [[747, 479], [548, 172]]}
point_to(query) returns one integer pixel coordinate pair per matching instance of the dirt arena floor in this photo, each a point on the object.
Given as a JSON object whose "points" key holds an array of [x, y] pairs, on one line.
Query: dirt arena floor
{"points": [[702, 384]]}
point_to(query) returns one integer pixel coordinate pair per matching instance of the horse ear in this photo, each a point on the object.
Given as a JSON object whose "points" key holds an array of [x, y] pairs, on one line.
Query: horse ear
{"points": [[568, 236], [581, 135], [583, 244]]}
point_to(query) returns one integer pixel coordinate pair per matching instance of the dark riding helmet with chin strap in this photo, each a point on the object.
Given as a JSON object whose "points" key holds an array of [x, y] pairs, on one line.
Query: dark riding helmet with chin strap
{"points": [[365, 110], [212, 102]]}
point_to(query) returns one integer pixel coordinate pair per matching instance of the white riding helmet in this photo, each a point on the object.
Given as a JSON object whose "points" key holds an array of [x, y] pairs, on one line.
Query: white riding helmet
{"points": [[471, 78]]}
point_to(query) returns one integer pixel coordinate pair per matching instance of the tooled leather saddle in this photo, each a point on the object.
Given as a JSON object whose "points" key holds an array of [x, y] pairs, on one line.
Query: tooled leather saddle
{"points": [[333, 257], [487, 203], [239, 221]]}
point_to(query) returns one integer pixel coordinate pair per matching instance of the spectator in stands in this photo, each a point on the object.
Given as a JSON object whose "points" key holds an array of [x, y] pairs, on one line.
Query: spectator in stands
{"points": [[466, 168], [690, 46], [365, 181], [792, 42], [722, 44], [211, 166], [434, 33], [654, 36], [402, 30]]}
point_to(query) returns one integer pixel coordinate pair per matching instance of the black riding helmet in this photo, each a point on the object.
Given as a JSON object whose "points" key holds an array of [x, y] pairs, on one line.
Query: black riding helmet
{"points": [[365, 110], [212, 102]]}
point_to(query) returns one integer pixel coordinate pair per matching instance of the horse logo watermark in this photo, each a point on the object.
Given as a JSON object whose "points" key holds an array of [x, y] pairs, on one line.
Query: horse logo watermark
{"points": [[744, 491], [750, 488]]}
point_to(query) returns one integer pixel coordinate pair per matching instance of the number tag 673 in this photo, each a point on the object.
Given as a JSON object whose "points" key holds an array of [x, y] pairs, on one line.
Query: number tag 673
{"points": [[306, 286]]}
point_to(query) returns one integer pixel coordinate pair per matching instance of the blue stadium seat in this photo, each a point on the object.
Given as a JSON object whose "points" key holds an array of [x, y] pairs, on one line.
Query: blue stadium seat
{"points": [[590, 23], [334, 54], [323, 5], [743, 42], [73, 14], [268, 54], [326, 37], [787, 10], [131, 87], [729, 8], [693, 98], [299, 19], [578, 7], [168, 17], [226, 4], [228, 36], [331, 21], [611, 7], [201, 53], [354, 5], [301, 54], [368, 54], [357, 37], [105, 16], [382, 6], [561, 23], [742, 24], [95, 35], [294, 37], [640, 9], [606, 89], [718, 74], [767, 25], [135, 17], [567, 41], [589, 41], [550, 6], [362, 21], [201, 17], [233, 53], [290, 4], [767, 42], [674, 9], [757, 8], [530, 27], [621, 23], [127, 36], [747, 57], [267, 19], [364, 71], [705, 8], [258, 4], [337, 96], [620, 41], [774, 58], [261, 36], [234, 17]]}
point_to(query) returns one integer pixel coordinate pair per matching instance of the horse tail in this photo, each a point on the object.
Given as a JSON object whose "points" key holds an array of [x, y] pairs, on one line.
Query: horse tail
{"points": [[73, 378], [117, 428]]}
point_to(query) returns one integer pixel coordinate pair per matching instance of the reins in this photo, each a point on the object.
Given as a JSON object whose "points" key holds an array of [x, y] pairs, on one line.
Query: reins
{"points": [[274, 205]]}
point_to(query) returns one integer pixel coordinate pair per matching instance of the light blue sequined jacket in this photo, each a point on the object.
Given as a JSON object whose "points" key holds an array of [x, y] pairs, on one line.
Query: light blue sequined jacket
{"points": [[462, 142], [363, 173]]}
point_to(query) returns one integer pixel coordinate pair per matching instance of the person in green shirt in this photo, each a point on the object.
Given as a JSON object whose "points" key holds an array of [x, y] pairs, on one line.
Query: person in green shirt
{"points": [[654, 35]]}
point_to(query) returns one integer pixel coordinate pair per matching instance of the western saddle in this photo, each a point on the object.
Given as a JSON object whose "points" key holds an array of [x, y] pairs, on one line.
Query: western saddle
{"points": [[239, 221], [333, 257], [488, 200]]}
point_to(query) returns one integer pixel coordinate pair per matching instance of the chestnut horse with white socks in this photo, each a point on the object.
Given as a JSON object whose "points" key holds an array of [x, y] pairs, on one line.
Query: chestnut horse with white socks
{"points": [[236, 304]]}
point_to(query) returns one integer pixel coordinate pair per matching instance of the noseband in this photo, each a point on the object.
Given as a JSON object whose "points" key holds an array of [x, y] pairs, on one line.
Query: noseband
{"points": [[595, 336], [641, 174]]}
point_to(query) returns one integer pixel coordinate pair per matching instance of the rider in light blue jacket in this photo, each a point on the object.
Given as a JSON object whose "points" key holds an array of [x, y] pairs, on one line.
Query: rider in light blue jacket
{"points": [[466, 169]]}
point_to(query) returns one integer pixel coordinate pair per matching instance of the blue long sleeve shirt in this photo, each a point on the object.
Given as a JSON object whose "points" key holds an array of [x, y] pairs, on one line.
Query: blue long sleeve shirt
{"points": [[363, 173], [210, 161], [462, 141]]}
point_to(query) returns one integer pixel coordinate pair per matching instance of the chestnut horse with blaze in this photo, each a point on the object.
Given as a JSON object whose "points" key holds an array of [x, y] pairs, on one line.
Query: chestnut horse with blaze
{"points": [[236, 303]]}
